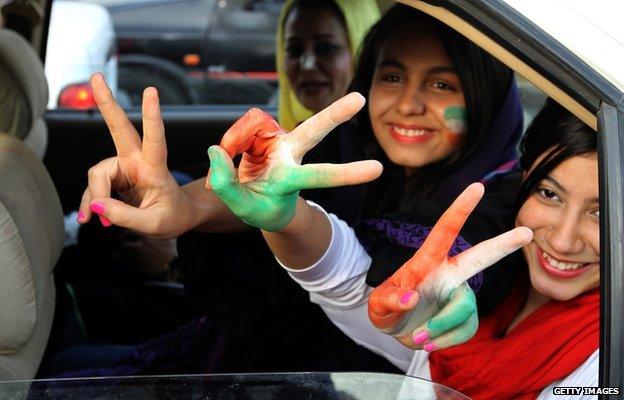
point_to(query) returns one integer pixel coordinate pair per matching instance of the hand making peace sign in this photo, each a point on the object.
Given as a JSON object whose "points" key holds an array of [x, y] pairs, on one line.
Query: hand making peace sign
{"points": [[264, 190], [151, 200], [427, 302]]}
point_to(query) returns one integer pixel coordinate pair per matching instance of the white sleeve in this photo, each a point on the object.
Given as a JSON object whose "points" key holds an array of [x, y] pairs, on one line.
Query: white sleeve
{"points": [[337, 282], [585, 375]]}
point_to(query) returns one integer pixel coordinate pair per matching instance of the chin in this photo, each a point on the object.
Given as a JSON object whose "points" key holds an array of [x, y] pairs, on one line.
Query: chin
{"points": [[315, 105], [555, 289], [407, 160]]}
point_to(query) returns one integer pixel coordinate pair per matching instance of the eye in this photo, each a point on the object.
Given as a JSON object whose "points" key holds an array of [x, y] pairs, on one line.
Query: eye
{"points": [[294, 50], [324, 49], [548, 194], [390, 77], [441, 85]]}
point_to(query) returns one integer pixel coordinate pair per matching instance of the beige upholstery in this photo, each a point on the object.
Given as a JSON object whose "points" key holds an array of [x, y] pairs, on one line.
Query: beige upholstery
{"points": [[19, 62], [31, 240], [31, 219]]}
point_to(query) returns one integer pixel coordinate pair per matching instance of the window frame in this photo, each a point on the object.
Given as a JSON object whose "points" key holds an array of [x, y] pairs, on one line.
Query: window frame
{"points": [[591, 91]]}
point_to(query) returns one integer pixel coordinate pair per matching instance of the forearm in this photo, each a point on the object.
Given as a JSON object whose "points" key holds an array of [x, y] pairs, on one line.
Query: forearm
{"points": [[304, 240], [210, 214]]}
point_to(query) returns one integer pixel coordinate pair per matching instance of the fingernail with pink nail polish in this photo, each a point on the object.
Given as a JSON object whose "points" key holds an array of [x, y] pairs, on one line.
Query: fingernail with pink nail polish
{"points": [[421, 338], [80, 217], [97, 208], [105, 222], [430, 347], [406, 297]]}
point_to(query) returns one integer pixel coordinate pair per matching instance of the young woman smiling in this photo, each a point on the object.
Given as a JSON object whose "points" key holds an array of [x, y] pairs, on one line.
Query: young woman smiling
{"points": [[462, 102], [441, 114], [546, 331]]}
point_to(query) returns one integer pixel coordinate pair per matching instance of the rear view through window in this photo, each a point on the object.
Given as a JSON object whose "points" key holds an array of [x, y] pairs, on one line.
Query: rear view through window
{"points": [[196, 52]]}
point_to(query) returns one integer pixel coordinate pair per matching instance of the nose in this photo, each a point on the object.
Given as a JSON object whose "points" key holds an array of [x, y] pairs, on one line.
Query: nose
{"points": [[307, 61], [566, 236], [411, 102]]}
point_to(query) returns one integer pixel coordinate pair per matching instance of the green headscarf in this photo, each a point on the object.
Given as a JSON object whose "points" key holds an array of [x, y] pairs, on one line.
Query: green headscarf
{"points": [[359, 16]]}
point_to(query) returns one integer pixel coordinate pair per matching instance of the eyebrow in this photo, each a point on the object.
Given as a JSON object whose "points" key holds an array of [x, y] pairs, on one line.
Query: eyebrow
{"points": [[554, 182], [440, 69]]}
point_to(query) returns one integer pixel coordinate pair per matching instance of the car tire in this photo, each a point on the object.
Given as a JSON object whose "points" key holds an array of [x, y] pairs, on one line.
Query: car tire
{"points": [[138, 71]]}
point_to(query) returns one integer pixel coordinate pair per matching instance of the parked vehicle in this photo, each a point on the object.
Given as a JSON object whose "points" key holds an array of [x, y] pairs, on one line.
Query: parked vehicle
{"points": [[196, 51], [81, 41]]}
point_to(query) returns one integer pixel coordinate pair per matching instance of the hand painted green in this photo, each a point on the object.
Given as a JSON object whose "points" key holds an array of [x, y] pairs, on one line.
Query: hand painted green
{"points": [[268, 204], [455, 119], [456, 312]]}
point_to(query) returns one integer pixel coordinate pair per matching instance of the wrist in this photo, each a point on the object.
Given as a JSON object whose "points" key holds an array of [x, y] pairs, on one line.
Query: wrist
{"points": [[303, 217]]}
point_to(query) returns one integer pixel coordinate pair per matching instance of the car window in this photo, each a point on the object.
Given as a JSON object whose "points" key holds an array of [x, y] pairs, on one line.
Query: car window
{"points": [[531, 98], [196, 52]]}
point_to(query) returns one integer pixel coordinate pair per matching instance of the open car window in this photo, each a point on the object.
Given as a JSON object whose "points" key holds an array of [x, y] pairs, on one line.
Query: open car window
{"points": [[196, 52]]}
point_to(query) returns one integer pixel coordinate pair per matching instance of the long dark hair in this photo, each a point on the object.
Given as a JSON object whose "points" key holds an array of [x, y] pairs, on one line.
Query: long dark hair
{"points": [[558, 134], [485, 83]]}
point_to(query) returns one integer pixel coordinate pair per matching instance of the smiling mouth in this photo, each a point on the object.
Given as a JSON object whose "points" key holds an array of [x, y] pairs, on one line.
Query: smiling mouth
{"points": [[409, 135], [561, 269], [313, 85], [411, 132]]}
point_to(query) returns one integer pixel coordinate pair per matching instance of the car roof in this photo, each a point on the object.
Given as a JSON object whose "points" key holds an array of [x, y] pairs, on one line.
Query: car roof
{"points": [[592, 30]]}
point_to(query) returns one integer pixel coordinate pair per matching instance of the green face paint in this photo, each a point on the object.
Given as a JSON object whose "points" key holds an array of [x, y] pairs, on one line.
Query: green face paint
{"points": [[455, 119]]}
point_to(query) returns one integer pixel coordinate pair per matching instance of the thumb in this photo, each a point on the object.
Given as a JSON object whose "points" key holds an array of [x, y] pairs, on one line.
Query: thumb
{"points": [[115, 212], [388, 303], [222, 176], [221, 173]]}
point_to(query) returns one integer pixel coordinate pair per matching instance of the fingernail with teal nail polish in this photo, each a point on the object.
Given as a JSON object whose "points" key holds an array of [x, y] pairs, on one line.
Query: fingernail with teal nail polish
{"points": [[429, 347], [406, 297], [421, 338]]}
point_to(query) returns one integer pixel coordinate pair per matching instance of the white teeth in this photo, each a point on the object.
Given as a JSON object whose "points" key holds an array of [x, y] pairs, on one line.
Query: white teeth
{"points": [[410, 132], [553, 262]]}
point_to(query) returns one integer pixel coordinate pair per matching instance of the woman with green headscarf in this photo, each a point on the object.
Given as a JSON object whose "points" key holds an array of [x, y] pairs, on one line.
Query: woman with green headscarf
{"points": [[317, 43]]}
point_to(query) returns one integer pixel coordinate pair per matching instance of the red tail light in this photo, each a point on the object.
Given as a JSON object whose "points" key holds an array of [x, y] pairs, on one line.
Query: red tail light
{"points": [[78, 96]]}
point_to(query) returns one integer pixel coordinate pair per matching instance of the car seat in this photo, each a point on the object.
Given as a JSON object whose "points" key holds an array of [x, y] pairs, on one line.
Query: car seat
{"points": [[31, 221], [20, 62]]}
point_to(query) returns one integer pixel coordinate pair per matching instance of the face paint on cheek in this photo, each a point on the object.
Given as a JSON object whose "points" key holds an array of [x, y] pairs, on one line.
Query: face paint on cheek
{"points": [[455, 119]]}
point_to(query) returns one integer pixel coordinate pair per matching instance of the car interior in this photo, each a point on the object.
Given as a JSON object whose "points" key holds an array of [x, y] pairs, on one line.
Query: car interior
{"points": [[31, 224], [43, 172]]}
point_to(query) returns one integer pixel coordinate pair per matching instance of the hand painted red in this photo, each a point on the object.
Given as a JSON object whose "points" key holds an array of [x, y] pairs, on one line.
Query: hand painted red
{"points": [[253, 135], [430, 276]]}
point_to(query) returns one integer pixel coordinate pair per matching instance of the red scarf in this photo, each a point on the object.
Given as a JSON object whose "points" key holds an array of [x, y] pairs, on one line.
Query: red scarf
{"points": [[545, 347]]}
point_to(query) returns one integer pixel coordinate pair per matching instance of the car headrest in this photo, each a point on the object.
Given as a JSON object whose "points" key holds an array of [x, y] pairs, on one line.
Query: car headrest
{"points": [[31, 240], [24, 69]]}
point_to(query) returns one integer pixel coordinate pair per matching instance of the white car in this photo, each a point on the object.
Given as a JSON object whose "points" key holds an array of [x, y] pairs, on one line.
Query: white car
{"points": [[81, 41]]}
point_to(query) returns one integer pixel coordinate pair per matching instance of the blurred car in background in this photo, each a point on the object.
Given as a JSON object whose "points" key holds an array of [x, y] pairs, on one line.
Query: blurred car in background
{"points": [[81, 41], [196, 51]]}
